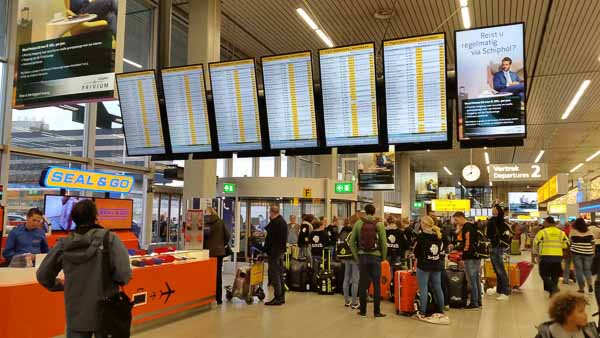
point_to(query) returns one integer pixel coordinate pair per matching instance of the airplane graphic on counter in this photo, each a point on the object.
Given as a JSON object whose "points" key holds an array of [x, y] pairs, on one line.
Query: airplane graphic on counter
{"points": [[168, 293]]}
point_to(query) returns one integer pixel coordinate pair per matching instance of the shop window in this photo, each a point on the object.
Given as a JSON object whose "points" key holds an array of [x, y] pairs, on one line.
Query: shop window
{"points": [[24, 190], [110, 142], [138, 36], [242, 167], [51, 129], [179, 44], [266, 167]]}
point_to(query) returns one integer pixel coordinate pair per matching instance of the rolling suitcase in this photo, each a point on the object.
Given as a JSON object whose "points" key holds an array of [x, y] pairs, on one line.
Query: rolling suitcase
{"points": [[524, 271], [457, 287], [515, 247], [326, 277], [298, 277], [338, 268], [395, 266], [386, 277], [406, 289]]}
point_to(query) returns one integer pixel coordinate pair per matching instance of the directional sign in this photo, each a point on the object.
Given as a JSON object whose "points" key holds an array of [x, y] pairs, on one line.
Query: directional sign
{"points": [[519, 172], [229, 188], [307, 193], [418, 205], [344, 188]]}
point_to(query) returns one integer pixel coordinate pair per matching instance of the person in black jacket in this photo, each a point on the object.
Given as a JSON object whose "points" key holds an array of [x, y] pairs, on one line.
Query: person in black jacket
{"points": [[495, 228], [472, 262], [216, 237], [304, 236], [275, 246]]}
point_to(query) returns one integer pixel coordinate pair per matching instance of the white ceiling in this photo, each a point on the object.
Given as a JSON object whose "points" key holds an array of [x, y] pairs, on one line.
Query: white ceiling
{"points": [[562, 50]]}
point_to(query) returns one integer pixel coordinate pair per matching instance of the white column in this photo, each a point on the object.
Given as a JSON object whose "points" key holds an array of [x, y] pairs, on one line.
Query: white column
{"points": [[403, 176]]}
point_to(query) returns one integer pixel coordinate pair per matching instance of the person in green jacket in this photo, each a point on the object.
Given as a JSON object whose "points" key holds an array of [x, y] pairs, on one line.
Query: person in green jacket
{"points": [[369, 248]]}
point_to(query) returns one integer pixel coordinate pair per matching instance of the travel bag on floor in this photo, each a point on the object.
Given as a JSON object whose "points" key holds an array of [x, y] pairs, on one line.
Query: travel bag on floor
{"points": [[339, 270], [524, 271], [457, 287], [386, 277], [431, 307], [395, 266], [406, 289], [515, 247], [326, 278], [298, 278]]}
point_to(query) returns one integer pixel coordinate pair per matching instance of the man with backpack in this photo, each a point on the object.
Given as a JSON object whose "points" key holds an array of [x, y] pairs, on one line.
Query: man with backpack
{"points": [[470, 257], [351, 272], [369, 247], [500, 235], [81, 256]]}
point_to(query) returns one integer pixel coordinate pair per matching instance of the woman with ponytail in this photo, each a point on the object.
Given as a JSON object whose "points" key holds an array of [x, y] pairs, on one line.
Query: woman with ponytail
{"points": [[428, 253]]}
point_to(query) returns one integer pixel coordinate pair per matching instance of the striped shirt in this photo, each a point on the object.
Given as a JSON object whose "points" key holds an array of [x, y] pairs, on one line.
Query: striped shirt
{"points": [[582, 243]]}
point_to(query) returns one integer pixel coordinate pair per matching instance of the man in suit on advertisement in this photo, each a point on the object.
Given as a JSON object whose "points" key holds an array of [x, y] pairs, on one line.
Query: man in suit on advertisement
{"points": [[506, 81]]}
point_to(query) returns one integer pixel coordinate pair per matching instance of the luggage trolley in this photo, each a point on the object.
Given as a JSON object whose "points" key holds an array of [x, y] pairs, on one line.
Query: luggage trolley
{"points": [[248, 281]]}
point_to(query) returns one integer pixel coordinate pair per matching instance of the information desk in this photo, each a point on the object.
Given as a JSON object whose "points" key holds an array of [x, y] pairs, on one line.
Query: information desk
{"points": [[127, 237], [29, 310]]}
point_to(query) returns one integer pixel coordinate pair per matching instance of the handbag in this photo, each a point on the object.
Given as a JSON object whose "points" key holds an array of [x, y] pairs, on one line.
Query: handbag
{"points": [[115, 310]]}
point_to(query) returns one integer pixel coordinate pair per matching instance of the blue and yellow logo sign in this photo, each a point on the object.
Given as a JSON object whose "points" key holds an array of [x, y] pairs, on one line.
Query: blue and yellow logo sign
{"points": [[74, 179]]}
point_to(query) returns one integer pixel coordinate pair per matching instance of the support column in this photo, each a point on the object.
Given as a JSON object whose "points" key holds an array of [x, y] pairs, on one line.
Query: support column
{"points": [[204, 41], [328, 170], [379, 203], [403, 176]]}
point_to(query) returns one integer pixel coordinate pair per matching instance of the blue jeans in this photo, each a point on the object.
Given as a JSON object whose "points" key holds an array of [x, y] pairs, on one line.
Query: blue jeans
{"points": [[423, 278], [351, 278], [473, 271], [583, 269], [497, 257], [567, 268], [369, 268], [275, 272]]}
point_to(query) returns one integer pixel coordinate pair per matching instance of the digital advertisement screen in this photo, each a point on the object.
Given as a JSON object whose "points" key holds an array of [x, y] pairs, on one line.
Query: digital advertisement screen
{"points": [[65, 51], [187, 112], [447, 193], [112, 213], [426, 185], [415, 89], [142, 126], [349, 95], [236, 105], [376, 171], [288, 84], [491, 82], [522, 202]]}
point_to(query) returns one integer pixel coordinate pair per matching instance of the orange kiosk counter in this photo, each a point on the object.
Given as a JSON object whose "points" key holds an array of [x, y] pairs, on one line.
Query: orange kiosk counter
{"points": [[28, 310]]}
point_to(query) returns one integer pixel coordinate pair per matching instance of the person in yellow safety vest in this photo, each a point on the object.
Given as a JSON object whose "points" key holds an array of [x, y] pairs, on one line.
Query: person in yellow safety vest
{"points": [[551, 241]]}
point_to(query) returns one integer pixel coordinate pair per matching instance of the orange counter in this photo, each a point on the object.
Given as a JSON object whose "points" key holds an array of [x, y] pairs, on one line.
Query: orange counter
{"points": [[126, 236], [28, 310]]}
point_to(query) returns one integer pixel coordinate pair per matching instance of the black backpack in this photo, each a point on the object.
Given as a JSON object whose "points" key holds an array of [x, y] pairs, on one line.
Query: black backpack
{"points": [[505, 235], [342, 248], [369, 238], [482, 246]]}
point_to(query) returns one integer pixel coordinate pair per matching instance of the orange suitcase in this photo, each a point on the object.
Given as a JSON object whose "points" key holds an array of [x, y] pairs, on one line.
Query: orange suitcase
{"points": [[406, 286], [386, 278]]}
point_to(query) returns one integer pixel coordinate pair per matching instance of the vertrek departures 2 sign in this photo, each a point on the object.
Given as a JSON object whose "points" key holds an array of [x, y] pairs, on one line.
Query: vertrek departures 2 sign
{"points": [[514, 172]]}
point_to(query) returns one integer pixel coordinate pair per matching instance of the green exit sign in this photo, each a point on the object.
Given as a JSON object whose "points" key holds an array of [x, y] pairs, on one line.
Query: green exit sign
{"points": [[418, 205], [228, 188], [344, 188]]}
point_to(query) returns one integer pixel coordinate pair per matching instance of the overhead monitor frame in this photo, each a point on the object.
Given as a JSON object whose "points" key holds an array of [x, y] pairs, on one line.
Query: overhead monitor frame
{"points": [[447, 144], [161, 113], [349, 149]]}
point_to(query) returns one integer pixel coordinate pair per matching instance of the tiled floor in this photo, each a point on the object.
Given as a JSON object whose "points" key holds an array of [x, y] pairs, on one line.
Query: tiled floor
{"points": [[311, 315]]}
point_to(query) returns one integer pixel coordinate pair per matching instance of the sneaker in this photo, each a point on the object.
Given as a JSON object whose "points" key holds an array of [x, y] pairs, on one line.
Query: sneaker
{"points": [[472, 307], [420, 316], [379, 315], [502, 297], [355, 306], [364, 314], [347, 304], [439, 318]]}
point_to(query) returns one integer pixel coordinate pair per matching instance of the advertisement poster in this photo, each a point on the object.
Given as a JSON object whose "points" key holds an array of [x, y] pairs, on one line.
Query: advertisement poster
{"points": [[446, 193], [426, 185], [490, 73], [376, 171], [522, 202], [66, 51]]}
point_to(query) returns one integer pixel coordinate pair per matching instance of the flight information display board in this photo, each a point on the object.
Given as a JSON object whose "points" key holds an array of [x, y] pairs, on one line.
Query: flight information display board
{"points": [[140, 110], [415, 89], [290, 102], [236, 105], [349, 95], [187, 113]]}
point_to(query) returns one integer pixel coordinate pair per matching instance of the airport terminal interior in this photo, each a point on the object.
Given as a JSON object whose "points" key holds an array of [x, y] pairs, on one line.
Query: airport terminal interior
{"points": [[263, 162]]}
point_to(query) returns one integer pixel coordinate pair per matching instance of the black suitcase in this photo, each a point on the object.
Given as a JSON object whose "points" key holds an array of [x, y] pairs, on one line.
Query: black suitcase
{"points": [[457, 287], [326, 281], [339, 269], [298, 277]]}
